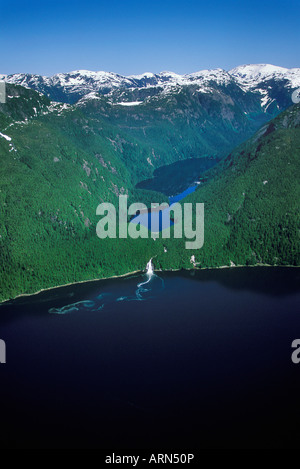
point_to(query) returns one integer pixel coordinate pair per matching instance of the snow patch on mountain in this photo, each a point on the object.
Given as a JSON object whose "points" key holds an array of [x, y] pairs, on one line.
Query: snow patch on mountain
{"points": [[5, 136], [90, 97], [132, 103]]}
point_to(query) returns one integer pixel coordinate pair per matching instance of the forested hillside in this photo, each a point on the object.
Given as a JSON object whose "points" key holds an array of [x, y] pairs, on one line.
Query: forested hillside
{"points": [[54, 172], [59, 162], [252, 201]]}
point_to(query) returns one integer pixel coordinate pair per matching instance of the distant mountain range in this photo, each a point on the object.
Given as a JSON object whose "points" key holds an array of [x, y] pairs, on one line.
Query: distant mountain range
{"points": [[173, 117], [269, 82]]}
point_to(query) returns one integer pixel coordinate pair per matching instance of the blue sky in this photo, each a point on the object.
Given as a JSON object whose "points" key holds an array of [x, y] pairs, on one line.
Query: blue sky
{"points": [[131, 37]]}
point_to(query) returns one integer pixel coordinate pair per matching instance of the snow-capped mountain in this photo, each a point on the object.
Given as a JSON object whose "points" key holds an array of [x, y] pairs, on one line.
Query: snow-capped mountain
{"points": [[215, 110], [266, 80], [81, 82], [69, 87], [251, 76]]}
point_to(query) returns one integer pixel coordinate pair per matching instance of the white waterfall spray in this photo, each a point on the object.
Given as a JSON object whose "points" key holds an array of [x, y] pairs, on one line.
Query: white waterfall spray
{"points": [[150, 272], [149, 267]]}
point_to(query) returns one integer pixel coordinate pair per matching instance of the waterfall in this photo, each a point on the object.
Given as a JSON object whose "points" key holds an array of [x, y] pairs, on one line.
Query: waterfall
{"points": [[149, 267], [150, 272]]}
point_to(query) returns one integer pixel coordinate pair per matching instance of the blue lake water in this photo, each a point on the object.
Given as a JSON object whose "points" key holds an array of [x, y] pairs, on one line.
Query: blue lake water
{"points": [[156, 221], [182, 195], [176, 360]]}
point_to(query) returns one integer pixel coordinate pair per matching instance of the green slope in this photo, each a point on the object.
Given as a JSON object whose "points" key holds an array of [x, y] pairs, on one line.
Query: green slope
{"points": [[252, 201], [54, 172]]}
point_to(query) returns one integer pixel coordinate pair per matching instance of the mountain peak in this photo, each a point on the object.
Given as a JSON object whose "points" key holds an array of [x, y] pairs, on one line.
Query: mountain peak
{"points": [[258, 69], [251, 74]]}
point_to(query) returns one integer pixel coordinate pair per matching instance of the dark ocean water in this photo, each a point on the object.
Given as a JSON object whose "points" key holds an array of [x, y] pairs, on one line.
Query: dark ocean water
{"points": [[187, 360]]}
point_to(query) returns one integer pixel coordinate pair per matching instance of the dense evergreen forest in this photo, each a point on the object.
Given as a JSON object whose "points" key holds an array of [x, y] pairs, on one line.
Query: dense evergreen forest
{"points": [[58, 163]]}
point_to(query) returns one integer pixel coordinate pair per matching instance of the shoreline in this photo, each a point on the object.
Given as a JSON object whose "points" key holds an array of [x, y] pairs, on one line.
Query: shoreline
{"points": [[69, 284], [141, 271]]}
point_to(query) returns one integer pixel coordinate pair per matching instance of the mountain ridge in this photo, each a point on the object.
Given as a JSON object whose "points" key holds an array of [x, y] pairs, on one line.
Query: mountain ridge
{"points": [[71, 86]]}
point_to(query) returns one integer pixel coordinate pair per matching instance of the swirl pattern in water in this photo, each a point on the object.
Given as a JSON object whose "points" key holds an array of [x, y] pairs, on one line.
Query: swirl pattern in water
{"points": [[143, 291]]}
